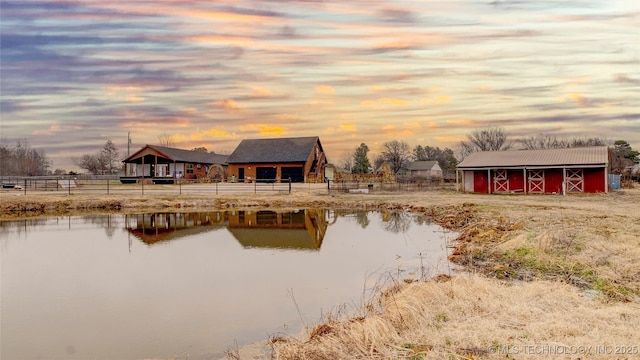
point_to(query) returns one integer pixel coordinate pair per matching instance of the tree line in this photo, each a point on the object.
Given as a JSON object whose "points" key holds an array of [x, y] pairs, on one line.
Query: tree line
{"points": [[398, 153], [23, 160]]}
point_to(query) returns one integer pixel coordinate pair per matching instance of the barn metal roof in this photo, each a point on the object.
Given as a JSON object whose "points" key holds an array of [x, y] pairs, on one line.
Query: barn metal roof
{"points": [[597, 155], [273, 150]]}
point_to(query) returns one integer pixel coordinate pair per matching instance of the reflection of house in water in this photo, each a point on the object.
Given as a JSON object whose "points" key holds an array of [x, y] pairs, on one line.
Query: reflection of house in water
{"points": [[302, 230], [156, 227]]}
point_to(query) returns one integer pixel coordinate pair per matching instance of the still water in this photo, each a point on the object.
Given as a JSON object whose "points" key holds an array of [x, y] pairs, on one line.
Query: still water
{"points": [[192, 285]]}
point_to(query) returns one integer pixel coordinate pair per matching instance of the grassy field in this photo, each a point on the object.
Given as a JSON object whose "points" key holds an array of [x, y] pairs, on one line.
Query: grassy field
{"points": [[544, 275]]}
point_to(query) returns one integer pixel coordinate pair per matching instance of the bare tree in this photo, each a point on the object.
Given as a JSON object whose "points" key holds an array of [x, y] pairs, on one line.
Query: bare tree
{"points": [[486, 139], [396, 153], [88, 162], [346, 162], [22, 160], [103, 162], [587, 142], [377, 162], [166, 140], [110, 157], [541, 141]]}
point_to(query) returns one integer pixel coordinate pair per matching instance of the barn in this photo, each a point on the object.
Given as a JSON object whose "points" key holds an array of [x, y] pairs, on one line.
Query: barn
{"points": [[163, 164], [300, 159], [547, 171]]}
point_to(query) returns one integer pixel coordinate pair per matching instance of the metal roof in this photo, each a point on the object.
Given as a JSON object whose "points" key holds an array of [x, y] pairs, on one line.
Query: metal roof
{"points": [[597, 155], [273, 150], [421, 165]]}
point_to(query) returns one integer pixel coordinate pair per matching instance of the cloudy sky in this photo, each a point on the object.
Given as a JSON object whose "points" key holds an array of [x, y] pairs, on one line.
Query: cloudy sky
{"points": [[75, 74]]}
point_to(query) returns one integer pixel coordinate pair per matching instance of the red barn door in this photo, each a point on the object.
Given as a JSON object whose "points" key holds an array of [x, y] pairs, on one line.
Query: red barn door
{"points": [[480, 182]]}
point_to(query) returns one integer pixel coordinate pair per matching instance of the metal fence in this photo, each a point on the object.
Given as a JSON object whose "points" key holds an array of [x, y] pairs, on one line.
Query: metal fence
{"points": [[113, 185], [377, 186]]}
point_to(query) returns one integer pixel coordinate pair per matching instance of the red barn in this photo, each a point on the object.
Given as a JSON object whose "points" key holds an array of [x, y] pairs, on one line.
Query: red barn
{"points": [[548, 171]]}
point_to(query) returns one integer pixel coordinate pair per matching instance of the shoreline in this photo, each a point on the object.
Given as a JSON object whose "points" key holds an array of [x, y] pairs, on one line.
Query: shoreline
{"points": [[580, 247]]}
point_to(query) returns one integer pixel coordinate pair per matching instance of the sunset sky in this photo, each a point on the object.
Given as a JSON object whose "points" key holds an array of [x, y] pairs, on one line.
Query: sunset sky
{"points": [[75, 74]]}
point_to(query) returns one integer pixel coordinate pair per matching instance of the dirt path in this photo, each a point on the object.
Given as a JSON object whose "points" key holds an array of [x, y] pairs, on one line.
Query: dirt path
{"points": [[543, 270]]}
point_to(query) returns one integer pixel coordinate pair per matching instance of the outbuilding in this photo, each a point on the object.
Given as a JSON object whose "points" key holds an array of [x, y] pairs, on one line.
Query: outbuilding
{"points": [[300, 159], [547, 171], [421, 169]]}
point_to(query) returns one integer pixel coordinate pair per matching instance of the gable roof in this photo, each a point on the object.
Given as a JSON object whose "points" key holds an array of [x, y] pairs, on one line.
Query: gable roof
{"points": [[274, 150], [597, 155], [421, 165], [181, 155]]}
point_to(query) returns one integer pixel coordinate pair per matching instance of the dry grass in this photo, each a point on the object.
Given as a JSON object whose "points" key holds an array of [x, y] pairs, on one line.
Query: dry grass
{"points": [[470, 317], [548, 270]]}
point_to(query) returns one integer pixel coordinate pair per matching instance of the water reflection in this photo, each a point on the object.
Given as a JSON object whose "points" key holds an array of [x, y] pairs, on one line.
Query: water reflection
{"points": [[159, 284], [153, 228], [298, 230]]}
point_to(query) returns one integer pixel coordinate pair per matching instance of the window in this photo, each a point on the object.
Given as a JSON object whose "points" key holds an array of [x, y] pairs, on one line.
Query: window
{"points": [[189, 168]]}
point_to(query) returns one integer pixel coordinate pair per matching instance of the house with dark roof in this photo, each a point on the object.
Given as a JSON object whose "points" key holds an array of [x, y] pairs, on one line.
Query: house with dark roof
{"points": [[293, 230], [164, 164], [300, 159], [421, 169], [547, 171]]}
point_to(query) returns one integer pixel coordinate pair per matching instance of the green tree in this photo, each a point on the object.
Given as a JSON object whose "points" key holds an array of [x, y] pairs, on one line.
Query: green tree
{"points": [[361, 164], [445, 157], [622, 156]]}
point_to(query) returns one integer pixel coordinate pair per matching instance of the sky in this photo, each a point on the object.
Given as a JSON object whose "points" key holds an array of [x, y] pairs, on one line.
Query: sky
{"points": [[206, 73]]}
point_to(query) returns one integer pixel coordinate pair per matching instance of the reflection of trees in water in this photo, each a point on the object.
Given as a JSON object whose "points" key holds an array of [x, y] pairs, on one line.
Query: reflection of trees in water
{"points": [[108, 222], [392, 221], [362, 218], [20, 226], [396, 222], [422, 220]]}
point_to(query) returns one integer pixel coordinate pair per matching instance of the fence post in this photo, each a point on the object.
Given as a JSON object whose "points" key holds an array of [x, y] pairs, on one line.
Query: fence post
{"points": [[180, 186], [108, 186], [69, 186], [255, 186], [289, 185], [216, 188], [142, 182], [25, 186]]}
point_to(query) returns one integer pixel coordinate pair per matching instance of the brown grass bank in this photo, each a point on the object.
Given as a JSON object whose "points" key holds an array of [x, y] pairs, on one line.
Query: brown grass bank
{"points": [[547, 273]]}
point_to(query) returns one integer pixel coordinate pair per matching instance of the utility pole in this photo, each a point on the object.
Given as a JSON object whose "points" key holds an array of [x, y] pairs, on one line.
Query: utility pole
{"points": [[128, 143]]}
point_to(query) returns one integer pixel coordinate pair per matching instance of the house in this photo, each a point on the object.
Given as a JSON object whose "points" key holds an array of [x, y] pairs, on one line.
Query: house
{"points": [[548, 171], [421, 169], [291, 230], [300, 159], [163, 164]]}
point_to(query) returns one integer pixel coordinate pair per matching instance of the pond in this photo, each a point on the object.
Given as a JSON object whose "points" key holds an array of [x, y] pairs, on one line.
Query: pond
{"points": [[192, 285]]}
